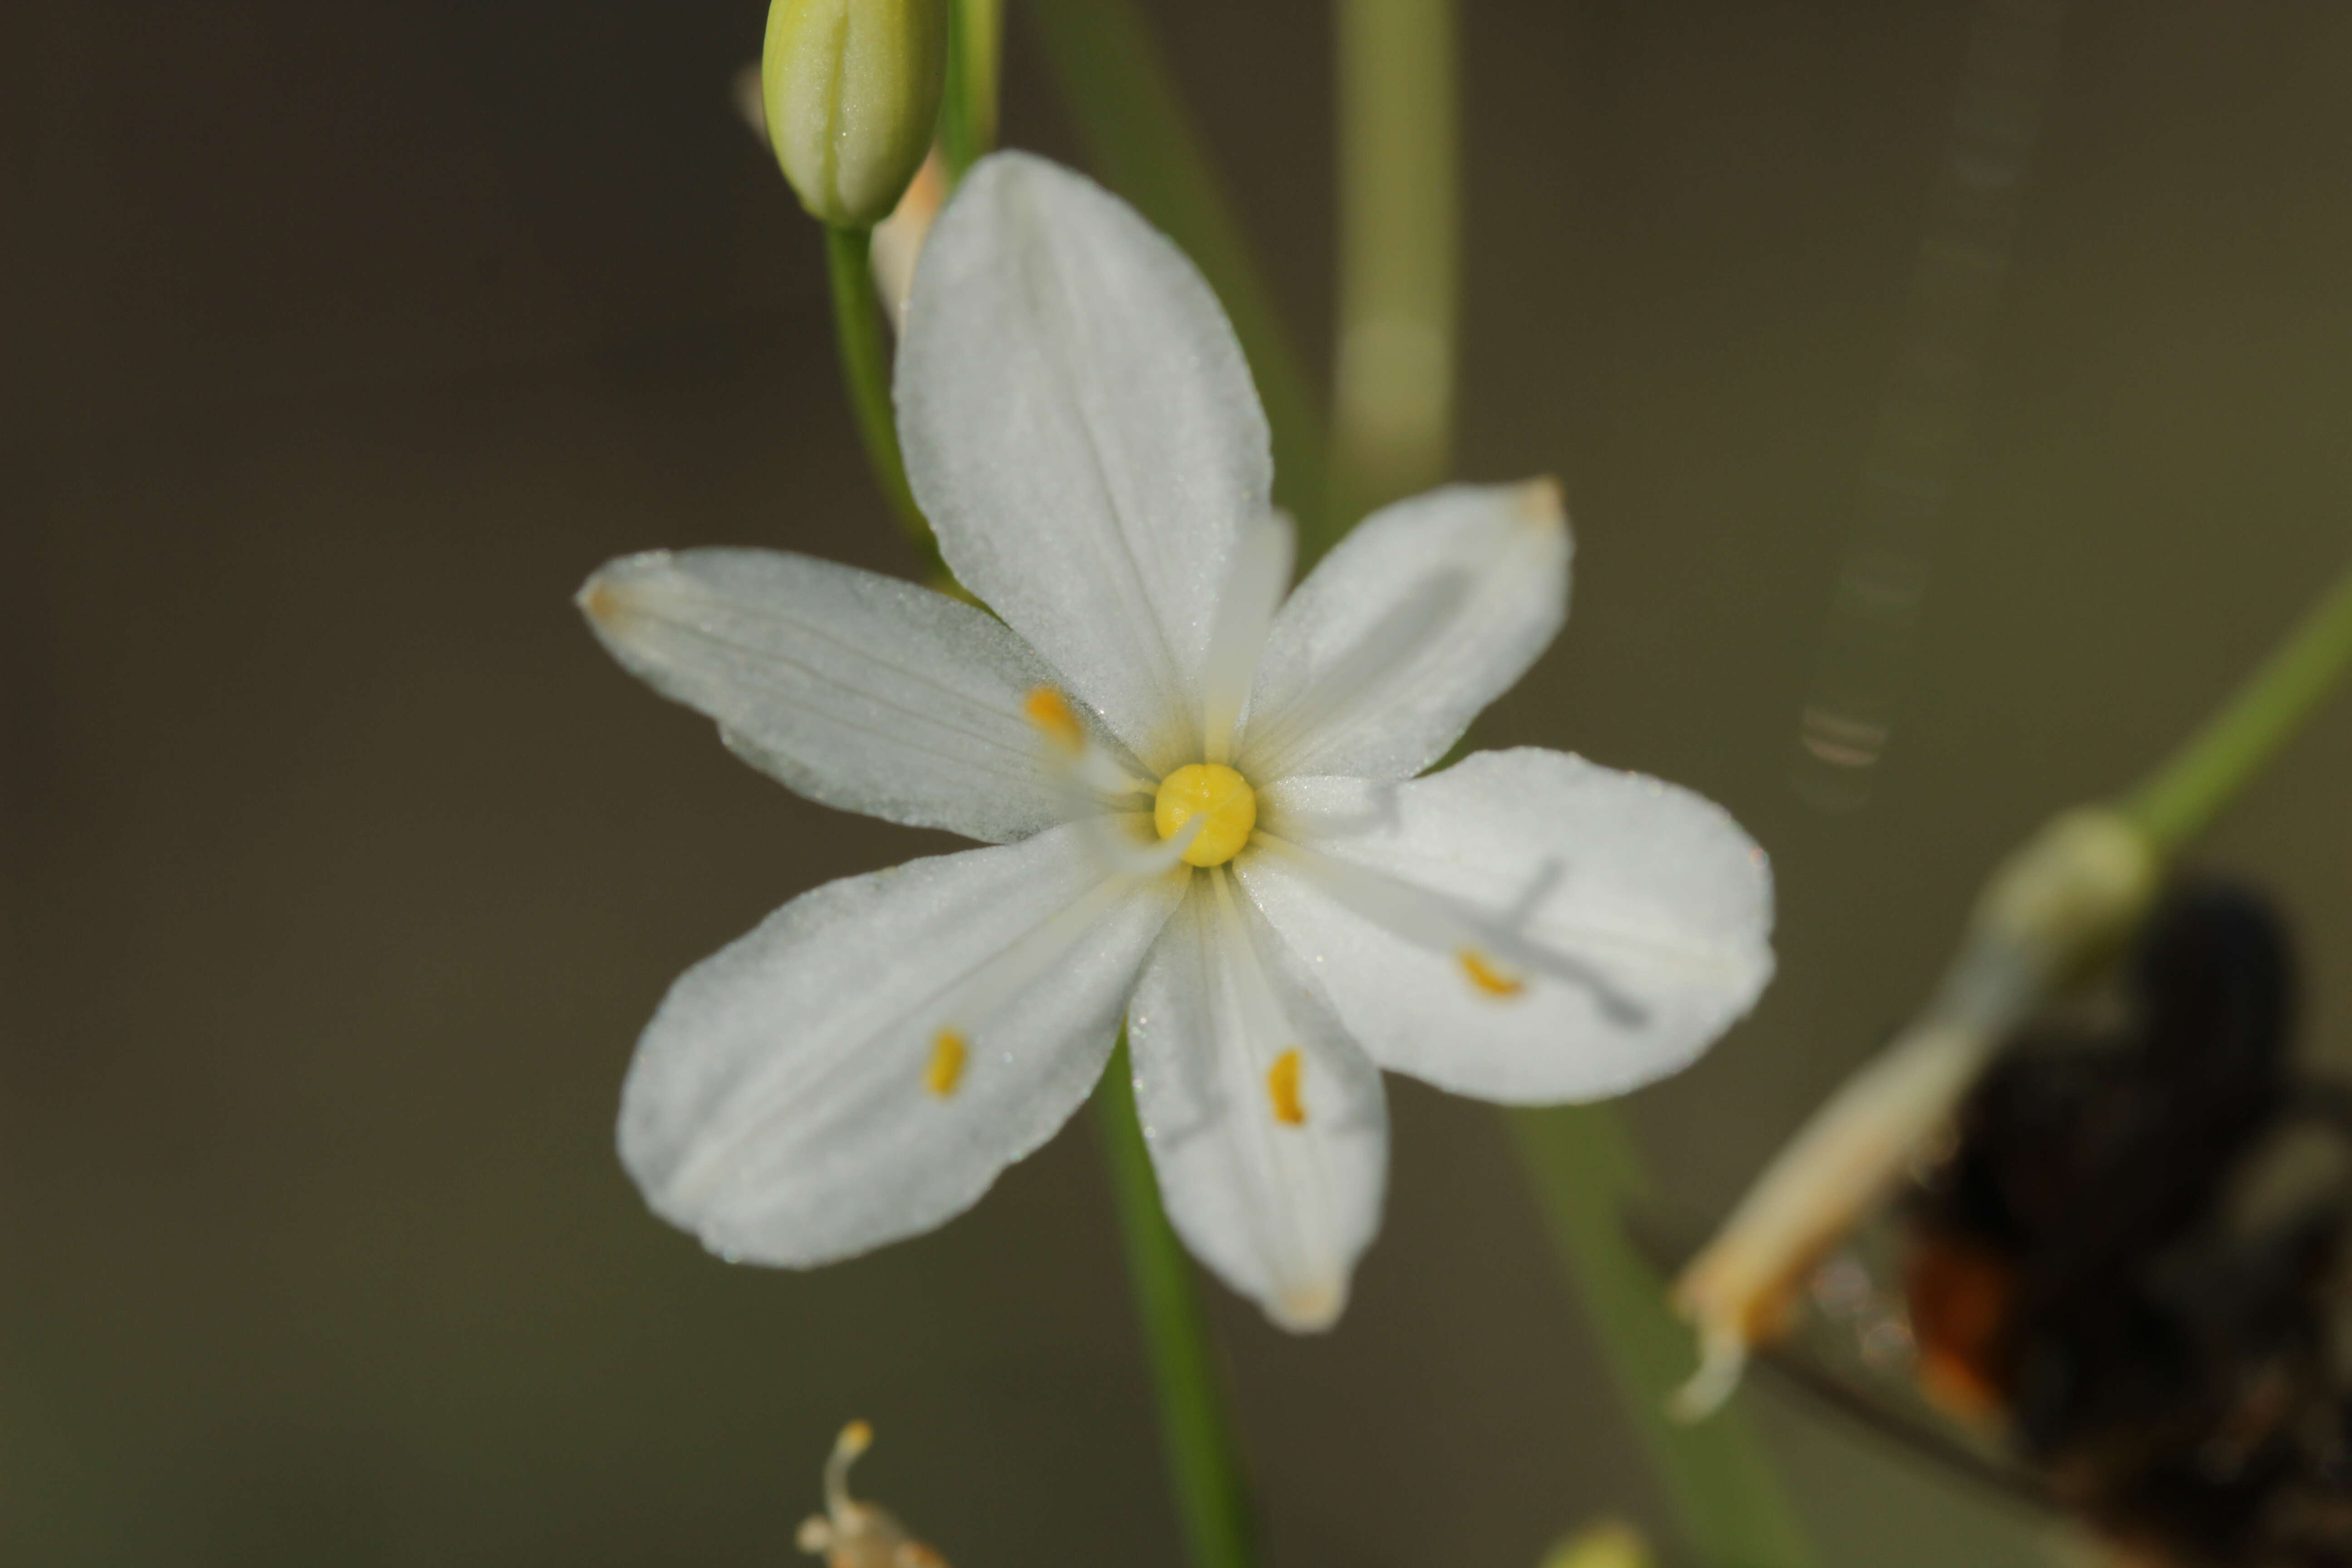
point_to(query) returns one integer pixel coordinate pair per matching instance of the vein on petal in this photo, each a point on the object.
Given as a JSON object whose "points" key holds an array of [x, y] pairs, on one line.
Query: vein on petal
{"points": [[855, 651], [1127, 572]]}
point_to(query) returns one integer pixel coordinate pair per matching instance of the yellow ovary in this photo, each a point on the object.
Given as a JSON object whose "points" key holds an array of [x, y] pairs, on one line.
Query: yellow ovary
{"points": [[1217, 794]]}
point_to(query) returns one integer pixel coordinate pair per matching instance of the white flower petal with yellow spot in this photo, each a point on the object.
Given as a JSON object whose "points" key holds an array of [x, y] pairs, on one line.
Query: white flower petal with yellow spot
{"points": [[1268, 1124], [860, 1067], [1610, 925], [1202, 793], [855, 689], [1081, 430]]}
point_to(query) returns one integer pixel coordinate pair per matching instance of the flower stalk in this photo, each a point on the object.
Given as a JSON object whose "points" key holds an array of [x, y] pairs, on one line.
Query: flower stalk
{"points": [[2235, 744], [1203, 1467], [1400, 228], [1585, 1171], [865, 376], [1399, 244], [968, 108]]}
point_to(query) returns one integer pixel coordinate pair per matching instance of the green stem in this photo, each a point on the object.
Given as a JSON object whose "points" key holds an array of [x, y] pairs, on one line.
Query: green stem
{"points": [[1393, 405], [2234, 745], [1399, 244], [1584, 1169], [968, 106], [1204, 1469], [865, 372], [1143, 144]]}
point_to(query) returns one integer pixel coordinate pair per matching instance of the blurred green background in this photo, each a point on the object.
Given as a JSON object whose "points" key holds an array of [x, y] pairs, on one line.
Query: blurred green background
{"points": [[340, 867]]}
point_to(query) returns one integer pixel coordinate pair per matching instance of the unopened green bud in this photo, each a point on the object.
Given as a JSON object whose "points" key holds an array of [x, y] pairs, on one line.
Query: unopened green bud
{"points": [[852, 92]]}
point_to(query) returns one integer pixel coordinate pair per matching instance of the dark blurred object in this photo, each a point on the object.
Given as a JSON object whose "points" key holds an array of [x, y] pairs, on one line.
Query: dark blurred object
{"points": [[2081, 1274]]}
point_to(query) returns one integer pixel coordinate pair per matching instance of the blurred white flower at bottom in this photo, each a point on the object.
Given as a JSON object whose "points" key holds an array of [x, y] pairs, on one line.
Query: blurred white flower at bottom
{"points": [[1611, 1543], [853, 1534]]}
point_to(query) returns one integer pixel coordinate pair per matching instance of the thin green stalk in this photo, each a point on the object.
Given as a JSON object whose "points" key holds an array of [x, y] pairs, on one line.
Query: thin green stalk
{"points": [[865, 372], [1142, 142], [968, 105], [1399, 244], [1203, 1467], [1399, 224], [2235, 743], [1585, 1171]]}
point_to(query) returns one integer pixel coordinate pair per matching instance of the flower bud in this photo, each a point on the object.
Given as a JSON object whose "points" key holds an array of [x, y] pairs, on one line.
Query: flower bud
{"points": [[852, 92]]}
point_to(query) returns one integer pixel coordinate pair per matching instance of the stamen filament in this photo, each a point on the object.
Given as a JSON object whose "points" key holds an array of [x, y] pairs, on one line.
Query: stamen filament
{"points": [[1120, 841], [1420, 918], [1503, 955], [855, 1439], [1253, 589], [963, 1008], [1090, 768], [1379, 671], [1096, 771], [1312, 1292], [1381, 900]]}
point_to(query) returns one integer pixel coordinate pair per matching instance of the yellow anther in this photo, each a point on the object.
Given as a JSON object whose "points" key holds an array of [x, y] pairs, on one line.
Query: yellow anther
{"points": [[1487, 977], [947, 1063], [855, 1439], [1216, 793], [1282, 1088], [1050, 711]]}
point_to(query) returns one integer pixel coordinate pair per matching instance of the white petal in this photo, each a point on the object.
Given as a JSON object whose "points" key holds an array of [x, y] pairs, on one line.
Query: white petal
{"points": [[855, 689], [781, 1105], [1633, 917], [1081, 430], [1279, 1210], [1424, 615]]}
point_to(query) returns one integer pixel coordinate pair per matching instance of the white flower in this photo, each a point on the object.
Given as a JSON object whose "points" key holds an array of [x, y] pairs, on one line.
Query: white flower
{"points": [[1202, 797]]}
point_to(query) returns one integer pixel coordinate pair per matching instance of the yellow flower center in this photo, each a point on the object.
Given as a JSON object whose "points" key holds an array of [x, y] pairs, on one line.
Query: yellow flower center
{"points": [[1218, 795]]}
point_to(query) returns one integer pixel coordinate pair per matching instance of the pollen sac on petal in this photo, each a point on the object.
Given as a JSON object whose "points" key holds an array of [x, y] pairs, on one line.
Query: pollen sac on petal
{"points": [[946, 1070], [1050, 711], [1220, 798], [1487, 976], [1282, 1088]]}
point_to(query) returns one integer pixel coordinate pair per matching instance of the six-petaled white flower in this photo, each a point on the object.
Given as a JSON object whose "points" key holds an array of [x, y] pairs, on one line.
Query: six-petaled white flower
{"points": [[1202, 797]]}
